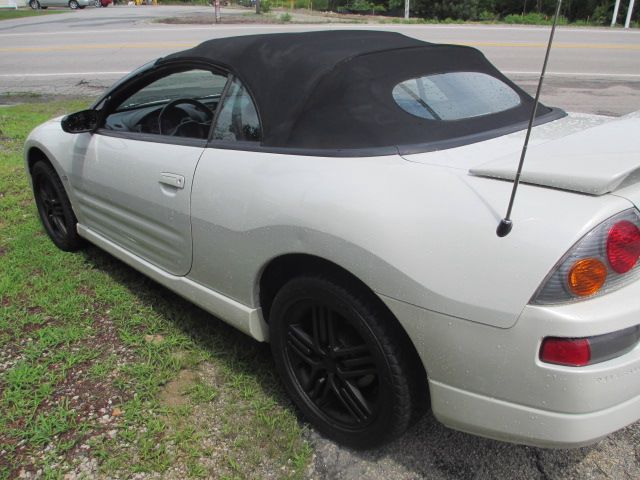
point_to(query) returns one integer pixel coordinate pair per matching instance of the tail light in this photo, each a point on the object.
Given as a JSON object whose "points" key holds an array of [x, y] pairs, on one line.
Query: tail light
{"points": [[623, 246], [604, 260], [578, 352], [573, 352]]}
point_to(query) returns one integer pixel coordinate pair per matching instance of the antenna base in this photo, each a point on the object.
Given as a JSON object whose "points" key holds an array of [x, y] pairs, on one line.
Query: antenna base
{"points": [[504, 227]]}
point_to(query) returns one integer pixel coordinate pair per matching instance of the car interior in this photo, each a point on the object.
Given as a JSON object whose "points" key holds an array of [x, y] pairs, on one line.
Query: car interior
{"points": [[184, 104]]}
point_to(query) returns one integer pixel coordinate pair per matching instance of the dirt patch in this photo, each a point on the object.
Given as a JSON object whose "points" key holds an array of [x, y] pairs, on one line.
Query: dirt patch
{"points": [[89, 292], [91, 400], [276, 16], [174, 393], [18, 98], [209, 19]]}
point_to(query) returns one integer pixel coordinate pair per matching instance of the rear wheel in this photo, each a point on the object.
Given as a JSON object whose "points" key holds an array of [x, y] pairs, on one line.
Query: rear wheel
{"points": [[34, 4], [73, 4], [54, 208], [342, 359]]}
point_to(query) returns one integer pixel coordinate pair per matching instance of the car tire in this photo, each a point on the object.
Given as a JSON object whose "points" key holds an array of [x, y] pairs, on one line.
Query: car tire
{"points": [[34, 4], [344, 360], [97, 4], [73, 4], [54, 208]]}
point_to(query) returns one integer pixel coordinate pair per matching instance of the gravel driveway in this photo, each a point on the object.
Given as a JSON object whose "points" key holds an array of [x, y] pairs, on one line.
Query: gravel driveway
{"points": [[432, 451]]}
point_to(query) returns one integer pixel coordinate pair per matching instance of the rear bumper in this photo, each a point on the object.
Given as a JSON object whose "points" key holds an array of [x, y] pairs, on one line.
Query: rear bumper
{"points": [[489, 381], [493, 418]]}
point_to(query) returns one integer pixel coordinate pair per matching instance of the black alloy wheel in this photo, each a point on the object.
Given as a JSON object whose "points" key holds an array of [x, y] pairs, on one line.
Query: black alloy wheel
{"points": [[34, 4], [54, 208], [340, 357]]}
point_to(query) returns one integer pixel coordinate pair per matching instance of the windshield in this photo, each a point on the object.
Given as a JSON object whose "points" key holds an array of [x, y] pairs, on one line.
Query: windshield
{"points": [[196, 84]]}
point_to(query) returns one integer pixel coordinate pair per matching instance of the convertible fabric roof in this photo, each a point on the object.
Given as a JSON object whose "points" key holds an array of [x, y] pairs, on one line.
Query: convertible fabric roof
{"points": [[332, 89]]}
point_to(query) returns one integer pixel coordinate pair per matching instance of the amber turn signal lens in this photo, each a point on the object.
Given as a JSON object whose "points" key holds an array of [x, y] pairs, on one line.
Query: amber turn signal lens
{"points": [[587, 276]]}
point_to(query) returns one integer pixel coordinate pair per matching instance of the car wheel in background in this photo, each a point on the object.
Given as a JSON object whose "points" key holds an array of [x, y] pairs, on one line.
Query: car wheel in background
{"points": [[73, 4], [54, 208], [34, 4], [97, 4], [343, 360]]}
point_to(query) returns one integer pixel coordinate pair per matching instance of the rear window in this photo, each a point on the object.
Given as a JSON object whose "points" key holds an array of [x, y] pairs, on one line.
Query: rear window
{"points": [[454, 96]]}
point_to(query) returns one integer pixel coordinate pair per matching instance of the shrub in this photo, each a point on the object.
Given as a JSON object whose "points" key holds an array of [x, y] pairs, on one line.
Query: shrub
{"points": [[285, 17], [487, 16], [534, 19]]}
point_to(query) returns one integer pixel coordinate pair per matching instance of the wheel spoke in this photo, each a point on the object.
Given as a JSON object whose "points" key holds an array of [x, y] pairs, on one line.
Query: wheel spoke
{"points": [[350, 351], [322, 318], [58, 224], [56, 209], [44, 195], [302, 338], [358, 361], [319, 387], [357, 364], [361, 372], [300, 352], [301, 344], [353, 401]]}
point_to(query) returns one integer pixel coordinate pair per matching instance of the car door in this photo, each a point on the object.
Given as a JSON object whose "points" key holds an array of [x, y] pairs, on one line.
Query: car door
{"points": [[223, 194], [132, 178]]}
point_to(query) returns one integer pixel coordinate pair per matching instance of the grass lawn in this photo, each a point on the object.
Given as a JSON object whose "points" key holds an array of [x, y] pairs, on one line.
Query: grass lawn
{"points": [[104, 373], [9, 14]]}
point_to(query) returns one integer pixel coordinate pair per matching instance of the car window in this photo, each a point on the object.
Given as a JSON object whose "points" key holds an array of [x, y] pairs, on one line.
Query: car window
{"points": [[455, 96], [238, 120], [181, 104]]}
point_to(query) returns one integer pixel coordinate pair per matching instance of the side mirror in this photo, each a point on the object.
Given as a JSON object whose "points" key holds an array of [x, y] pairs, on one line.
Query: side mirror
{"points": [[80, 122]]}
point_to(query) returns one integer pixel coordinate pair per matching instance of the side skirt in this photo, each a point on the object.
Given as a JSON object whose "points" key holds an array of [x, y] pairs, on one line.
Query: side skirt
{"points": [[247, 320]]}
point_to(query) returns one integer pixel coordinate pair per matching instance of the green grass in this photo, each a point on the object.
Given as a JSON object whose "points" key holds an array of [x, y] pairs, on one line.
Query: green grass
{"points": [[10, 14], [99, 363]]}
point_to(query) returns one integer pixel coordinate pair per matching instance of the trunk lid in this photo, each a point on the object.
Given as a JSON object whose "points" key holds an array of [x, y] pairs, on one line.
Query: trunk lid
{"points": [[597, 160]]}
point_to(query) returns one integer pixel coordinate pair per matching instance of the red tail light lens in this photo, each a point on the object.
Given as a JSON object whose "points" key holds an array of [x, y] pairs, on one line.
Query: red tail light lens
{"points": [[604, 260], [623, 246], [574, 352]]}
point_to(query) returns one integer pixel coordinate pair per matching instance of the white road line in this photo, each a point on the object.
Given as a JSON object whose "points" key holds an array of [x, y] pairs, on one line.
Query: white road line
{"points": [[392, 26], [576, 74], [64, 74], [506, 72]]}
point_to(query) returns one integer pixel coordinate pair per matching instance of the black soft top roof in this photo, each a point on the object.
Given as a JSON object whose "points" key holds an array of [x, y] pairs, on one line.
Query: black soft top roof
{"points": [[331, 90]]}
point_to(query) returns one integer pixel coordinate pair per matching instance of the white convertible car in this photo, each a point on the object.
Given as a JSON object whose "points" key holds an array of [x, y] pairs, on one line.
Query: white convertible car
{"points": [[337, 193]]}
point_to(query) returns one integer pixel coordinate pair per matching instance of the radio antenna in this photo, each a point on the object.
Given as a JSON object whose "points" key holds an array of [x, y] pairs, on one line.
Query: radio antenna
{"points": [[505, 225]]}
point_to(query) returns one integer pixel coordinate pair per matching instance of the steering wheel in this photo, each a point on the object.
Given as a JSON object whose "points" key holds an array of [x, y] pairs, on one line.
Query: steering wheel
{"points": [[199, 105]]}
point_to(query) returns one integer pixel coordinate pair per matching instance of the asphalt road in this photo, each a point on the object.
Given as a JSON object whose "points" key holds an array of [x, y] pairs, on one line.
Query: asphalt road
{"points": [[591, 70]]}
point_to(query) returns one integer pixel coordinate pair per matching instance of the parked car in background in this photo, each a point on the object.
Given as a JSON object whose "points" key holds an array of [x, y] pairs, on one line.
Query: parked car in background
{"points": [[102, 3], [72, 4], [337, 194]]}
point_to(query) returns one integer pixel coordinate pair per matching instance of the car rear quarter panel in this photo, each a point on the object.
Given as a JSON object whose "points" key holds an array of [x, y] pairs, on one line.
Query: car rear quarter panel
{"points": [[418, 233]]}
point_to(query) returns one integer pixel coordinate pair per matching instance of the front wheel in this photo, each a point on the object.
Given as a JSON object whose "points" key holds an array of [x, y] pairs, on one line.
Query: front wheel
{"points": [[342, 359], [73, 4], [34, 4], [54, 208]]}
